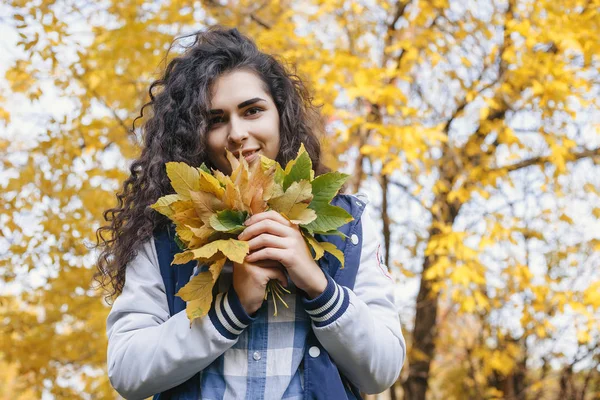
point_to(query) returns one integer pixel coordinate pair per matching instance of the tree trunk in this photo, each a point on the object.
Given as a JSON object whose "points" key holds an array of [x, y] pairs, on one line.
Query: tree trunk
{"points": [[358, 172], [425, 331], [385, 218], [421, 354]]}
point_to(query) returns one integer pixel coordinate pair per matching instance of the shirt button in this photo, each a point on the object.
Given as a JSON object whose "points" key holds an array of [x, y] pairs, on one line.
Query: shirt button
{"points": [[354, 239], [256, 356], [314, 352]]}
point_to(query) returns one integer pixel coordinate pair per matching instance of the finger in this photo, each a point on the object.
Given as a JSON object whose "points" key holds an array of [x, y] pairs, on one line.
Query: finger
{"points": [[268, 253], [278, 274], [271, 214], [258, 264], [255, 264], [266, 264], [267, 240], [265, 226]]}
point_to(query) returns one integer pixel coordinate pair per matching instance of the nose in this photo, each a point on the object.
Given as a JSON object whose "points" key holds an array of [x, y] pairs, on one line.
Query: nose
{"points": [[237, 132]]}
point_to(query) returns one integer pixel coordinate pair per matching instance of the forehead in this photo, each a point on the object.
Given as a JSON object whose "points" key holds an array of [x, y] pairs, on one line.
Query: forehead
{"points": [[235, 87]]}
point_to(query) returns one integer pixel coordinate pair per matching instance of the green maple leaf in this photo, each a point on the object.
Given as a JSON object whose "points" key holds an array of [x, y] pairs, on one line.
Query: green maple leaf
{"points": [[204, 168], [179, 243], [298, 169], [326, 186], [229, 221], [297, 192], [329, 218]]}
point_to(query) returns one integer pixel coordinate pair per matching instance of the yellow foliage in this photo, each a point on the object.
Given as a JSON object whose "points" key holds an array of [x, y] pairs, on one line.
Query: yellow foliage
{"points": [[198, 293], [413, 98]]}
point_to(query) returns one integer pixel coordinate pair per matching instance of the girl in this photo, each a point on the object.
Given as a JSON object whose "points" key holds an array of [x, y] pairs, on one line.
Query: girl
{"points": [[341, 333]]}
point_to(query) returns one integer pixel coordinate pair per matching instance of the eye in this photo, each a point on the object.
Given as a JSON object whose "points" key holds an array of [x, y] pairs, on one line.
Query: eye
{"points": [[253, 110], [216, 120]]}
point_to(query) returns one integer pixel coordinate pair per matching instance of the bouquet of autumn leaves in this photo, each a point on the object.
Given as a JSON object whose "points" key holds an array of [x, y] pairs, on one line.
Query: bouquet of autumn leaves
{"points": [[209, 210]]}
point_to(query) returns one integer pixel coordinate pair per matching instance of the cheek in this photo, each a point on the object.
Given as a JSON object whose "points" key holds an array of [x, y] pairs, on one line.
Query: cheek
{"points": [[215, 145], [214, 142], [272, 138]]}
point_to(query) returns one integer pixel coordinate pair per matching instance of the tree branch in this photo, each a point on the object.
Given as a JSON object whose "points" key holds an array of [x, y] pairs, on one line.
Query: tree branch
{"points": [[590, 153], [501, 70], [412, 196], [400, 8], [260, 22], [251, 14]]}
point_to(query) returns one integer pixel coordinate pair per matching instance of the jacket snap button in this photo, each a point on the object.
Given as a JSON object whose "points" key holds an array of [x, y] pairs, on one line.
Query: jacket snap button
{"points": [[354, 239], [256, 356], [314, 352]]}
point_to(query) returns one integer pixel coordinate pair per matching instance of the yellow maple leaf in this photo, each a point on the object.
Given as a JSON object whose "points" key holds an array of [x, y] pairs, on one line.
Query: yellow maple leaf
{"points": [[319, 250], [180, 205], [239, 167], [184, 232], [183, 258], [198, 308], [234, 162], [267, 163], [200, 236], [301, 214], [334, 251], [222, 178], [272, 191], [187, 217], [233, 198], [163, 205], [297, 192], [206, 204], [259, 181], [198, 295], [183, 178], [216, 267], [196, 287], [235, 250], [210, 184]]}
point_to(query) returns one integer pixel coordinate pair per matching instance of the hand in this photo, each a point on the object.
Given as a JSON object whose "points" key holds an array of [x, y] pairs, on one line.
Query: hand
{"points": [[250, 282], [272, 237]]}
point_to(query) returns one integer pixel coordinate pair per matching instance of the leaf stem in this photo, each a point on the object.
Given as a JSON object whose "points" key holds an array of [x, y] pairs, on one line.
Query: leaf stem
{"points": [[276, 290]]}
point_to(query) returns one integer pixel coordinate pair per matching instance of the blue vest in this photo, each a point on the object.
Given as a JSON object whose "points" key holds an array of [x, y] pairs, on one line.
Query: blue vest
{"points": [[322, 379]]}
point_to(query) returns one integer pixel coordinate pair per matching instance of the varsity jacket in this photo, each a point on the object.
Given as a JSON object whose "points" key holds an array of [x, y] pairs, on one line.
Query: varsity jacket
{"points": [[152, 348]]}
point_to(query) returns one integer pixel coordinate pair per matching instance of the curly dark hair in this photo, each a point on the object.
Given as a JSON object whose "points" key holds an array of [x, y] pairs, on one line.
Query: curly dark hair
{"points": [[176, 131]]}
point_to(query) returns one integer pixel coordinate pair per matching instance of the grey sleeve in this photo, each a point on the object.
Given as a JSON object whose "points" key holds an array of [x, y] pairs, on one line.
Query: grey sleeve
{"points": [[148, 352], [362, 330]]}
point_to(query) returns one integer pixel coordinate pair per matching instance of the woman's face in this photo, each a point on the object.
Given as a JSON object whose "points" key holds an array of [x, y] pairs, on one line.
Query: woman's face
{"points": [[243, 119]]}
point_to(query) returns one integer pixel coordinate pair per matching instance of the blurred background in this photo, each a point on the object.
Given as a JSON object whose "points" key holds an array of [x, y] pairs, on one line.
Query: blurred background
{"points": [[473, 126]]}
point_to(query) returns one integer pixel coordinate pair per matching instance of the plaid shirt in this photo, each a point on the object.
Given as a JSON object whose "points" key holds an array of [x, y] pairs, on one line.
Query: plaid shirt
{"points": [[266, 361]]}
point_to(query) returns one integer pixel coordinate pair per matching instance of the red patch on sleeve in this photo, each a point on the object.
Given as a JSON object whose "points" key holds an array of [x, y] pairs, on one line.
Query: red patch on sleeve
{"points": [[380, 263]]}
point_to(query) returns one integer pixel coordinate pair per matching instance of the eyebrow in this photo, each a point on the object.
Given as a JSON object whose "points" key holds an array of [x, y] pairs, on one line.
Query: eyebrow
{"points": [[240, 106]]}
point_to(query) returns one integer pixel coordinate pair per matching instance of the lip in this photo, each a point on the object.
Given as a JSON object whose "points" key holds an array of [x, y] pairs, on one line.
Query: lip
{"points": [[249, 154], [250, 158]]}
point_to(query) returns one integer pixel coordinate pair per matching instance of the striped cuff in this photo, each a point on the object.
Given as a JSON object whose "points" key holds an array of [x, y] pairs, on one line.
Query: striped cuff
{"points": [[228, 315], [329, 305]]}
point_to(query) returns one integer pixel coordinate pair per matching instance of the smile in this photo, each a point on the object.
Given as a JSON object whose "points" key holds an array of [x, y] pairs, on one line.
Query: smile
{"points": [[250, 154]]}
